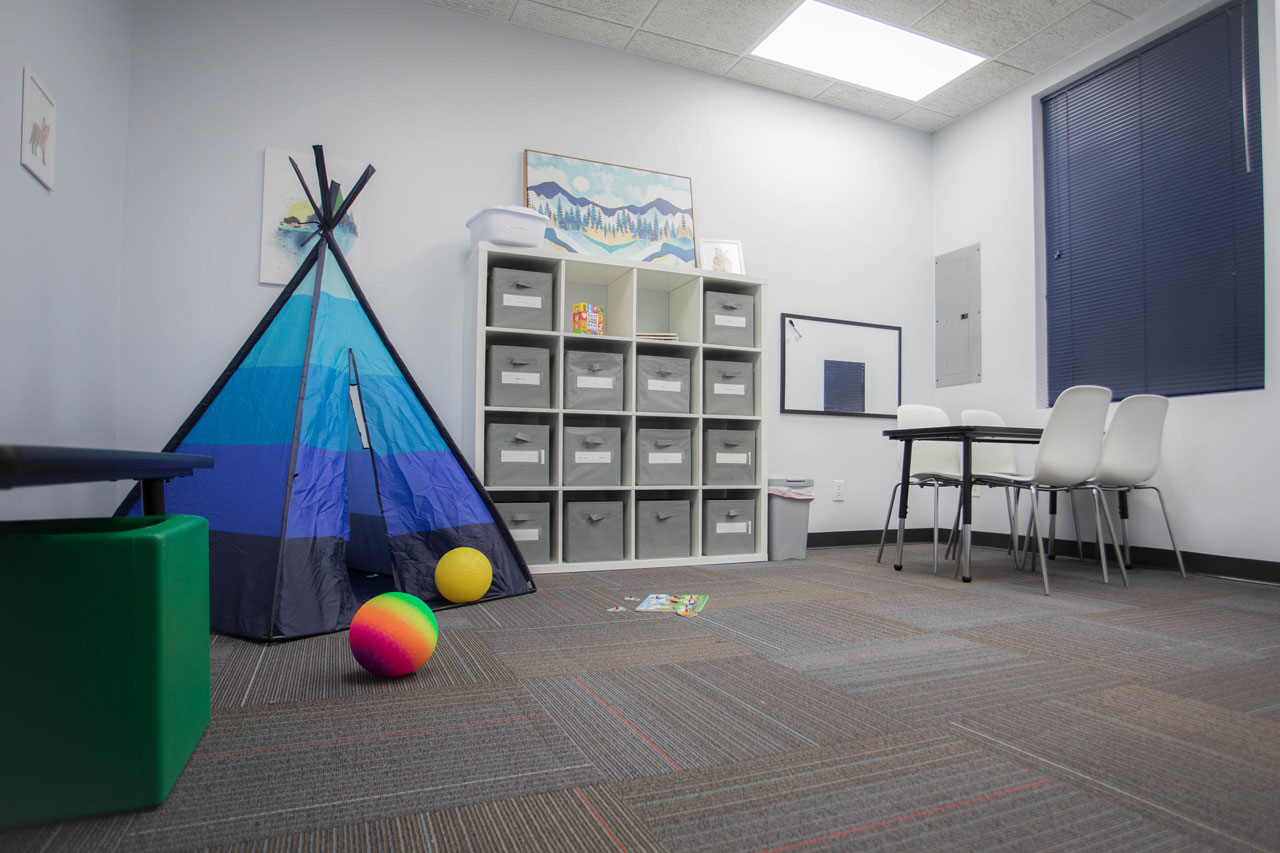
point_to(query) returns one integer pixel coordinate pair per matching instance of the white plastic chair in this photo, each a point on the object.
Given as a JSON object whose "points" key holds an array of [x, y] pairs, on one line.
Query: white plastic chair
{"points": [[1066, 458], [1130, 457], [990, 459], [933, 463]]}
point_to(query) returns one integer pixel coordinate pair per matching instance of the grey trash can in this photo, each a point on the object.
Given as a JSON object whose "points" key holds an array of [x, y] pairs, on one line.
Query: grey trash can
{"points": [[789, 501]]}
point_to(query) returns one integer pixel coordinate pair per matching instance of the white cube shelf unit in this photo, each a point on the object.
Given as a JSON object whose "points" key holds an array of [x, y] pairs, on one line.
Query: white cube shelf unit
{"points": [[562, 443]]}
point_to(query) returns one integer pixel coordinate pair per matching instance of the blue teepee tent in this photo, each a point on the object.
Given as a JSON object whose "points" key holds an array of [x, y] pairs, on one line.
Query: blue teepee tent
{"points": [[328, 455]]}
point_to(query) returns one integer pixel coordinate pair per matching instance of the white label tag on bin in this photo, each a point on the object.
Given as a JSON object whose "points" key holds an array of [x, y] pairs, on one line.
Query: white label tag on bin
{"points": [[666, 458], [524, 534], [595, 382], [592, 457], [534, 456], [665, 385], [512, 377], [514, 301], [730, 320], [733, 527], [722, 389], [733, 458]]}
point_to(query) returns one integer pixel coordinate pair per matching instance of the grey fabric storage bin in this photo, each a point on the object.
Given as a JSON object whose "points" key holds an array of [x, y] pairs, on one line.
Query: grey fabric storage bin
{"points": [[729, 457], [728, 527], [519, 299], [519, 377], [662, 384], [593, 530], [729, 319], [662, 529], [516, 455], [664, 457], [592, 456], [530, 526], [593, 380], [728, 388]]}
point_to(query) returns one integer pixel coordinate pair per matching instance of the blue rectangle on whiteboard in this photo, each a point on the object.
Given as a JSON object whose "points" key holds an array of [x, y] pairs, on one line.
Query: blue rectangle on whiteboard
{"points": [[844, 386]]}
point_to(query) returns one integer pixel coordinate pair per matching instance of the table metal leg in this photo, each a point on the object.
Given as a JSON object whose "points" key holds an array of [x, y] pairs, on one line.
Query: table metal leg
{"points": [[902, 502], [966, 496], [153, 497]]}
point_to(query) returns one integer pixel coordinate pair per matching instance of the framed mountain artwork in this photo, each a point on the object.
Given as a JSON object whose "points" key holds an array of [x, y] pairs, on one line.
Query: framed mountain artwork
{"points": [[603, 209]]}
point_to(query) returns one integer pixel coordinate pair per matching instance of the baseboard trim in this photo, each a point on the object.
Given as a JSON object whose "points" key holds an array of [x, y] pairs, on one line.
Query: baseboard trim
{"points": [[1243, 568]]}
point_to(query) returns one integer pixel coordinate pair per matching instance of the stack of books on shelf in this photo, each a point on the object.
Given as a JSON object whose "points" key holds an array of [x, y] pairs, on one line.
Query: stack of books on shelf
{"points": [[657, 336]]}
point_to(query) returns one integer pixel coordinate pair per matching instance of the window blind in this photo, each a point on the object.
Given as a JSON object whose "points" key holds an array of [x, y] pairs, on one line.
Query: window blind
{"points": [[1153, 217]]}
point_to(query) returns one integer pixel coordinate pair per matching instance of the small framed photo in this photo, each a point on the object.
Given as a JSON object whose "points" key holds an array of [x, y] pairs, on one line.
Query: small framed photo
{"points": [[37, 129], [722, 256]]}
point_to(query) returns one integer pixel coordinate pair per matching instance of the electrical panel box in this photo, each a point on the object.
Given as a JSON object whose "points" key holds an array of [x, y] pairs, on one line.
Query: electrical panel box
{"points": [[958, 317]]}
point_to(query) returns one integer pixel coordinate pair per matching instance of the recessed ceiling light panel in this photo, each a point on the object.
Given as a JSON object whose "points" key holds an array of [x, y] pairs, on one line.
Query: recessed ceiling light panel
{"points": [[837, 43]]}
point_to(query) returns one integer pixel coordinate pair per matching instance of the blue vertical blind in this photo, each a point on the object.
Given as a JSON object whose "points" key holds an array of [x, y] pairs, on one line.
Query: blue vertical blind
{"points": [[1153, 216]]}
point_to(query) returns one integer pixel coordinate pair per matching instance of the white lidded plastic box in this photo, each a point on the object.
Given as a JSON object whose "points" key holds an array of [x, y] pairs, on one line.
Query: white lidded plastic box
{"points": [[509, 225]]}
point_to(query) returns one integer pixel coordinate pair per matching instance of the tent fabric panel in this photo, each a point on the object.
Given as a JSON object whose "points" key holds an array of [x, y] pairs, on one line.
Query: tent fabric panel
{"points": [[318, 503], [242, 573], [428, 491], [362, 488], [397, 422], [367, 549], [326, 408], [256, 406], [342, 325], [315, 592], [284, 343], [242, 493], [414, 556]]}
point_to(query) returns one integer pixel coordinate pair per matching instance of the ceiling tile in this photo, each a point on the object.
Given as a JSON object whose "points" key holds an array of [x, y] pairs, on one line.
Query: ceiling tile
{"points": [[500, 9], [864, 101], [923, 119], [730, 25], [628, 12], [778, 77], [1133, 8], [900, 13], [985, 83], [1071, 34], [990, 27], [571, 25], [681, 53]]}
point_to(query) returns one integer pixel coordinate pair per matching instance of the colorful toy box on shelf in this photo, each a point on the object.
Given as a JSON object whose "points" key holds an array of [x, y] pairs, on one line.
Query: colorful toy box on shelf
{"points": [[588, 319]]}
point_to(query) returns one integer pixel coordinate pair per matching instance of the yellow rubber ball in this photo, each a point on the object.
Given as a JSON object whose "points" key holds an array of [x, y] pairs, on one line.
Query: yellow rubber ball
{"points": [[463, 574]]}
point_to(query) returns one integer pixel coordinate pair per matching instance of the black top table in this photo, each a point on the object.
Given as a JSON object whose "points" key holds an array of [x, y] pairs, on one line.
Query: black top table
{"points": [[967, 435], [31, 465]]}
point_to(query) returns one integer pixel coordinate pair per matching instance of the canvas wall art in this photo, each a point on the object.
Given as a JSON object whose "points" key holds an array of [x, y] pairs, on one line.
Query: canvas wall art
{"points": [[288, 219], [603, 209], [38, 134]]}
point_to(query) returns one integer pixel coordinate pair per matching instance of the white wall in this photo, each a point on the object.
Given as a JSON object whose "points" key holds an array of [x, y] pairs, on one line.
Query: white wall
{"points": [[831, 207], [1219, 466], [60, 251]]}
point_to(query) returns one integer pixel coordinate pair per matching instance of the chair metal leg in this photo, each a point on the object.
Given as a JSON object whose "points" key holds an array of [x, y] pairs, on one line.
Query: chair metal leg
{"points": [[888, 515], [1075, 520], [1011, 505], [1098, 509], [1025, 546], [953, 538], [935, 527], [1035, 527], [1115, 543], [1122, 501], [1053, 525], [1182, 568]]}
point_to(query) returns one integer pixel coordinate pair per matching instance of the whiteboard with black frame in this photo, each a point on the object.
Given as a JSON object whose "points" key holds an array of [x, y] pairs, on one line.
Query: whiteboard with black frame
{"points": [[840, 367]]}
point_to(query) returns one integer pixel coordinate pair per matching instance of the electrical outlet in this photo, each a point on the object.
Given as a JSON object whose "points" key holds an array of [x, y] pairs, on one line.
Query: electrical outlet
{"points": [[839, 489]]}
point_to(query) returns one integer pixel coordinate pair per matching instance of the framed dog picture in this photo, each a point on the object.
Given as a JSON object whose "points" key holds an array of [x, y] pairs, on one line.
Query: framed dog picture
{"points": [[38, 134]]}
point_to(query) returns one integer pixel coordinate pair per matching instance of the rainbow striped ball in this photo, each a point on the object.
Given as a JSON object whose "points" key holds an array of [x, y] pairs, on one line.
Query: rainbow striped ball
{"points": [[393, 634]]}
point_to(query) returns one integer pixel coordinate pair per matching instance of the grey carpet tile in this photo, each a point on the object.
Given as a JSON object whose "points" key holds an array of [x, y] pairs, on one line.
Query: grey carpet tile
{"points": [[1149, 587], [789, 629], [1259, 598], [918, 658], [1252, 688], [1206, 622], [946, 693], [660, 579], [983, 605], [294, 768], [319, 668], [645, 640], [674, 718], [1117, 652], [69, 836], [577, 819], [914, 790], [1209, 770], [555, 606]]}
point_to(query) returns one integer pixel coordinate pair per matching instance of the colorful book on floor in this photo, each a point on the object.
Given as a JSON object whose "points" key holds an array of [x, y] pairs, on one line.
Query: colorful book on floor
{"points": [[684, 605]]}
